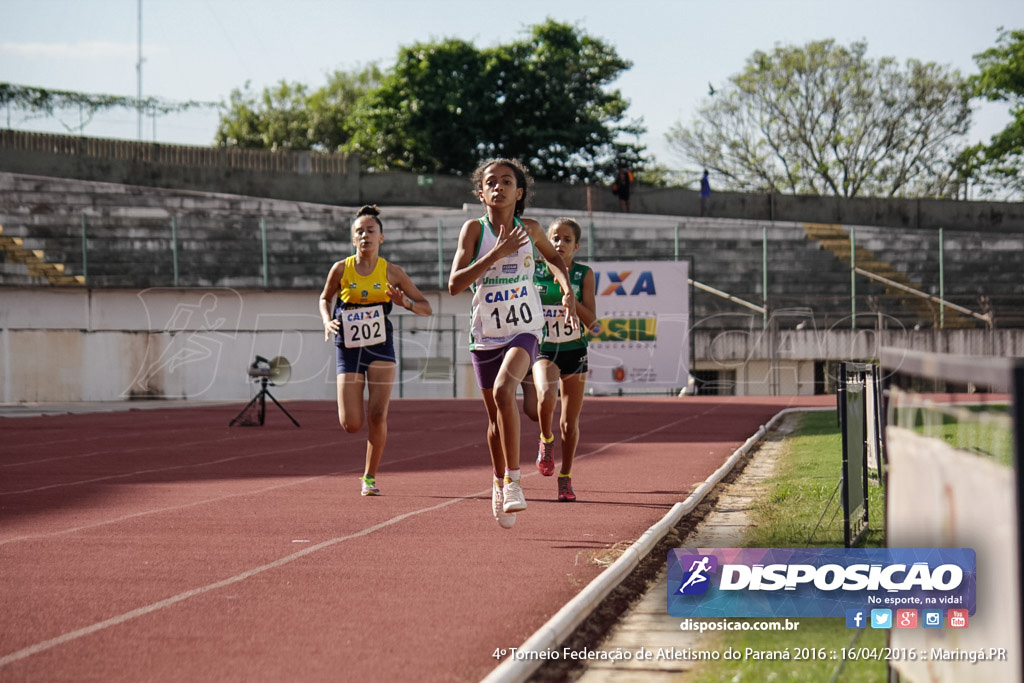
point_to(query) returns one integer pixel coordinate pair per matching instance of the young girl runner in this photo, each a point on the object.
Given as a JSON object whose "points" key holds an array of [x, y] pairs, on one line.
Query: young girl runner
{"points": [[562, 360], [495, 258], [355, 307]]}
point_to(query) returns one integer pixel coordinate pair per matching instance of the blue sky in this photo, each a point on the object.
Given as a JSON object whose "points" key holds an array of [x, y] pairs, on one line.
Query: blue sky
{"points": [[203, 49]]}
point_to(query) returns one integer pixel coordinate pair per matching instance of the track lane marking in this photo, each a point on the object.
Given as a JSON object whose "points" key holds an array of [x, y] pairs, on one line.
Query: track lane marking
{"points": [[181, 597]]}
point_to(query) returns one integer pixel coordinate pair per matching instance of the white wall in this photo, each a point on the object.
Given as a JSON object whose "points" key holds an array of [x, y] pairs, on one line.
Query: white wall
{"points": [[65, 344], [113, 345]]}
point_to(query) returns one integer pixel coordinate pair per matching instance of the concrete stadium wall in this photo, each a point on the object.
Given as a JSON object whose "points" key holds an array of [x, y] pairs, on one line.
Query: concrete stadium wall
{"points": [[61, 344], [117, 236], [117, 345], [31, 154]]}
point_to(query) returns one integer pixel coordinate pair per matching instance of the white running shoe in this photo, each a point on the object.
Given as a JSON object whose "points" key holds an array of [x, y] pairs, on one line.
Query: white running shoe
{"points": [[497, 505], [515, 501]]}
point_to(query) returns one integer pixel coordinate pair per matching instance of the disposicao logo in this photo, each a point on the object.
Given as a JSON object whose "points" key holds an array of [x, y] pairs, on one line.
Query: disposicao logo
{"points": [[824, 582], [696, 580]]}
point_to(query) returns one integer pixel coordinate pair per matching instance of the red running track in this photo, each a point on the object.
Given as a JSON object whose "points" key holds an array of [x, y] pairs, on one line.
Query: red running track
{"points": [[162, 545]]}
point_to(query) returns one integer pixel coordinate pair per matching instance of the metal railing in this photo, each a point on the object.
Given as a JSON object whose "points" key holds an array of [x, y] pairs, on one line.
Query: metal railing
{"points": [[175, 155], [744, 266]]}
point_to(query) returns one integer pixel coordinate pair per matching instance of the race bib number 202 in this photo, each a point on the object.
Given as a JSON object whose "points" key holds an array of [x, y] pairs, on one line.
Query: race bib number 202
{"points": [[363, 326]]}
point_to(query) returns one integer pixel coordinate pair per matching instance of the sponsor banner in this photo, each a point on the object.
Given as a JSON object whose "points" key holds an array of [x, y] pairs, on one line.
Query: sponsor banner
{"points": [[641, 342], [818, 582]]}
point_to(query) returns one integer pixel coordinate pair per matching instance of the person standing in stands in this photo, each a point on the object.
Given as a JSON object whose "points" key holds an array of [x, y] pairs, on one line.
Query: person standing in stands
{"points": [[355, 306], [705, 194], [495, 259], [621, 187]]}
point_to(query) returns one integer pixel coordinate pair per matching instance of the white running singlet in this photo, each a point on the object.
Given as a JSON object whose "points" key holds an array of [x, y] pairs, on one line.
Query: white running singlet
{"points": [[505, 300]]}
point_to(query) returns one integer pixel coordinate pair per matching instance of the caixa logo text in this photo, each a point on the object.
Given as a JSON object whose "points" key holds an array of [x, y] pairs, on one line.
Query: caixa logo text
{"points": [[831, 577], [625, 283]]}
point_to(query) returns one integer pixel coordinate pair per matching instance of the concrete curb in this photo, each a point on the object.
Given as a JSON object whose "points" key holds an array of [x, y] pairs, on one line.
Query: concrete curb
{"points": [[567, 619]]}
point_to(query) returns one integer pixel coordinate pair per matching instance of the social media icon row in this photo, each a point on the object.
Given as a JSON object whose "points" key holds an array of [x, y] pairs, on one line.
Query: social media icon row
{"points": [[906, 618]]}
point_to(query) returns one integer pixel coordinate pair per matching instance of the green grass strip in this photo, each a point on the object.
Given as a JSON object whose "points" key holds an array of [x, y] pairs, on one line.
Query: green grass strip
{"points": [[790, 516]]}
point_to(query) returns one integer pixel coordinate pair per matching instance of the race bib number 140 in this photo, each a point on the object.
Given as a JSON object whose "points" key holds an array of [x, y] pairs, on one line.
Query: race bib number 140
{"points": [[509, 317], [506, 311]]}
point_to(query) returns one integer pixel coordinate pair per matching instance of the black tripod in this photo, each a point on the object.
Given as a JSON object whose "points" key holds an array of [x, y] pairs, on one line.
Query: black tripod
{"points": [[261, 397]]}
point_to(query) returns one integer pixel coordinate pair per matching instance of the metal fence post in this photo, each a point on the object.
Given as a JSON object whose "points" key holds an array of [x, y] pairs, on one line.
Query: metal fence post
{"points": [[764, 273], [174, 246], [853, 279], [942, 280], [266, 262], [440, 255], [85, 249], [401, 356], [455, 364]]}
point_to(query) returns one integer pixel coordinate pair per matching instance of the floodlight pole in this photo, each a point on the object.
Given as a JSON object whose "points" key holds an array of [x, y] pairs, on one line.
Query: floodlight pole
{"points": [[138, 69]]}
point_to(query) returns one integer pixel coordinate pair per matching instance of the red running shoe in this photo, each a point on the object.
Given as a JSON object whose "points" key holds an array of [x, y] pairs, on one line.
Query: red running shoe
{"points": [[565, 492], [546, 458]]}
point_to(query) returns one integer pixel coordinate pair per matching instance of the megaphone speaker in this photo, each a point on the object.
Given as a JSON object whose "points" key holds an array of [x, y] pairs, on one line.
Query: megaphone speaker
{"points": [[280, 371]]}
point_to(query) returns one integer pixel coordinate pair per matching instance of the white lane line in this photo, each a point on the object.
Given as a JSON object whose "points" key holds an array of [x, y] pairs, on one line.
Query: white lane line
{"points": [[265, 489], [181, 597], [184, 506], [128, 436], [136, 473], [108, 451], [156, 606]]}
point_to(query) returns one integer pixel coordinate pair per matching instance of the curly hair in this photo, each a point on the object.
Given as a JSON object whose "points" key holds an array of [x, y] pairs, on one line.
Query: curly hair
{"points": [[523, 179]]}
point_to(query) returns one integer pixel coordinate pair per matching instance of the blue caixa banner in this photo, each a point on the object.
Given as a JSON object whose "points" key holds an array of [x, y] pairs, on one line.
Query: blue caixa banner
{"points": [[817, 582]]}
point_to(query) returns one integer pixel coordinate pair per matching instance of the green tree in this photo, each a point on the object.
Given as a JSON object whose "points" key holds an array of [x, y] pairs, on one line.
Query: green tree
{"points": [[544, 99], [428, 111], [289, 116], [824, 119], [999, 165], [564, 117]]}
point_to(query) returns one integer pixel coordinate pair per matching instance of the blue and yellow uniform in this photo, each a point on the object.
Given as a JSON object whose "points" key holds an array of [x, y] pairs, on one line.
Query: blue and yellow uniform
{"points": [[563, 345], [362, 307]]}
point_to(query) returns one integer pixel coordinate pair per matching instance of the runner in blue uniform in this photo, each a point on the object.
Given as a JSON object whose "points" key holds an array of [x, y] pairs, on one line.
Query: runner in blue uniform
{"points": [[495, 258], [355, 306]]}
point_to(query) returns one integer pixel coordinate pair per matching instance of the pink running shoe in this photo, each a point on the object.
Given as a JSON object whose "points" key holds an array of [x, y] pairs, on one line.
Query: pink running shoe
{"points": [[565, 492], [546, 458]]}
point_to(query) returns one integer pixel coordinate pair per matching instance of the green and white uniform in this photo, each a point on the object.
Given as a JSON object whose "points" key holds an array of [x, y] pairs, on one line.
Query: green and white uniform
{"points": [[505, 299]]}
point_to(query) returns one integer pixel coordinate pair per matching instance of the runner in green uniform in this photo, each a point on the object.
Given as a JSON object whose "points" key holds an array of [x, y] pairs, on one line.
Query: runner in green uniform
{"points": [[561, 364]]}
